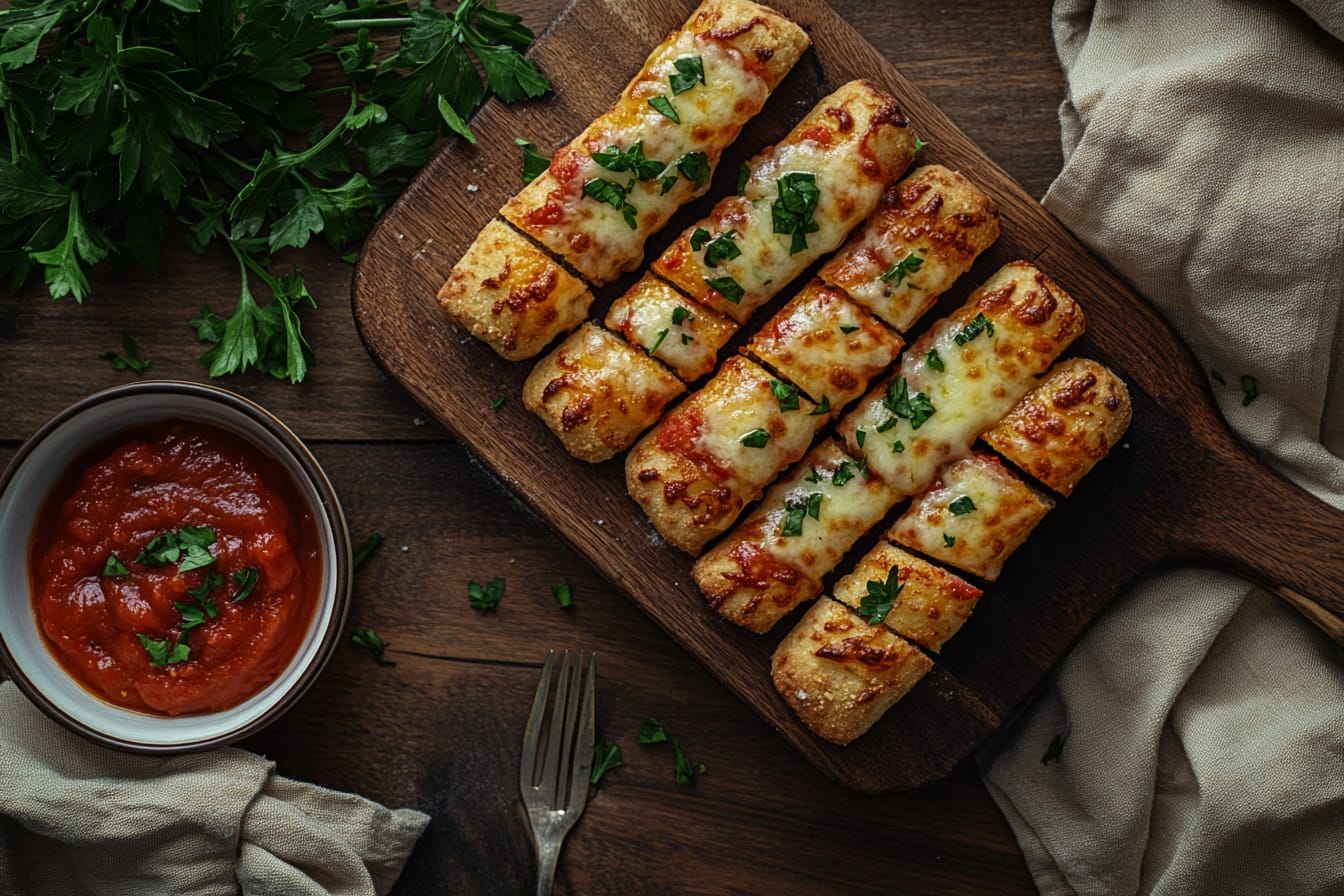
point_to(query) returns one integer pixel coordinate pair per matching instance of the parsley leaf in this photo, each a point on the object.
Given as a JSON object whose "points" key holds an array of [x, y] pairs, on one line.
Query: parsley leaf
{"points": [[534, 163], [757, 438], [798, 509], [690, 71], [371, 641], [563, 596], [934, 360], [785, 394], [823, 407], [896, 273], [727, 287], [211, 581], [129, 359], [497, 403], [699, 236], [961, 506], [743, 175], [365, 550], [165, 652], [949, 540], [980, 324], [881, 596], [721, 249], [664, 105], [916, 408], [606, 756], [632, 160], [793, 212], [652, 732], [485, 597], [612, 194], [680, 314], [246, 580], [662, 334], [114, 568], [694, 166]]}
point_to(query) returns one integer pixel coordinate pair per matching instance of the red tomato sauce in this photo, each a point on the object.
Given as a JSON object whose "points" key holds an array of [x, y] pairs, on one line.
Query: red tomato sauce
{"points": [[157, 480]]}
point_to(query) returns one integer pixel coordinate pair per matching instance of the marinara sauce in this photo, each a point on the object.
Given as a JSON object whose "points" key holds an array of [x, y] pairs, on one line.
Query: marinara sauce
{"points": [[116, 606]]}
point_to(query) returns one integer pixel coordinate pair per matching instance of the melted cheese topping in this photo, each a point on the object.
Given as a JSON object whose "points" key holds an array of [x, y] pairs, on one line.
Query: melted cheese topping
{"points": [[687, 335], [727, 440], [826, 345], [777, 557], [594, 236], [984, 510], [935, 215], [980, 380], [840, 674], [853, 143], [930, 604], [510, 295], [1065, 425], [597, 393]]}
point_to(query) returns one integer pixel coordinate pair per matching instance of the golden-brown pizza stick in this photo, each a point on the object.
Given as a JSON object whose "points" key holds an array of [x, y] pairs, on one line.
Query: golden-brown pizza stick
{"points": [[682, 334], [927, 604], [597, 392], [712, 454], [776, 558], [840, 673], [511, 295], [1059, 431], [974, 517], [802, 198], [925, 234], [625, 175]]}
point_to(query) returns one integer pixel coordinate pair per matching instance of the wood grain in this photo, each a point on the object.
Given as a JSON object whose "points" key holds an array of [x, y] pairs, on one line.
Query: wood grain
{"points": [[1142, 498]]}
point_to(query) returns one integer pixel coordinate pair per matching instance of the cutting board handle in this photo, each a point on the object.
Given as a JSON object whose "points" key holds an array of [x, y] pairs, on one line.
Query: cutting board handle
{"points": [[1276, 534]]}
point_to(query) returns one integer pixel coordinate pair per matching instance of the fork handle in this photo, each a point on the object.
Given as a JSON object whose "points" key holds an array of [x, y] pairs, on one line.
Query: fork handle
{"points": [[548, 856]]}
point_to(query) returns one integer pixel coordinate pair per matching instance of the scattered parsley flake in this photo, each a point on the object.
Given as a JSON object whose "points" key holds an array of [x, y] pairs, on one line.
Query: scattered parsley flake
{"points": [[721, 249], [916, 408], [699, 236], [563, 596], [680, 314], [896, 273], [785, 394], [664, 105], [613, 194], [934, 360], [757, 438], [662, 334], [534, 163], [606, 756], [632, 160], [727, 287], [246, 579], [793, 211], [485, 597], [881, 597], [980, 324], [823, 407], [961, 506], [371, 641], [920, 144], [743, 175], [948, 540], [165, 652], [690, 71], [370, 544], [497, 403], [897, 447], [114, 568], [847, 330], [129, 359]]}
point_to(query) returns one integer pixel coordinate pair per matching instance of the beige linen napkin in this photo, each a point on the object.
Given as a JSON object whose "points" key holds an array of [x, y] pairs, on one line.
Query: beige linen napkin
{"points": [[78, 819], [1204, 159]]}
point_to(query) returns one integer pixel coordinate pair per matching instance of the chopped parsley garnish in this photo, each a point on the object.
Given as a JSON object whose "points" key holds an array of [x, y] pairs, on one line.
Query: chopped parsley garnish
{"points": [[485, 597], [757, 438], [920, 144], [916, 408], [896, 273], [246, 580], [114, 568], [129, 359], [961, 506], [975, 328], [885, 424], [860, 436], [798, 510], [694, 166], [165, 652], [1249, 390], [664, 105], [786, 394], [814, 476], [847, 330], [844, 472], [687, 338], [613, 194], [211, 581], [662, 334], [195, 614], [699, 236], [792, 213], [743, 175], [881, 597], [934, 360], [632, 160], [370, 544], [823, 407], [187, 545], [1055, 750], [371, 641], [897, 447], [690, 71], [563, 596], [534, 163], [727, 287], [606, 756], [653, 732], [721, 249], [949, 540], [497, 403], [680, 314]]}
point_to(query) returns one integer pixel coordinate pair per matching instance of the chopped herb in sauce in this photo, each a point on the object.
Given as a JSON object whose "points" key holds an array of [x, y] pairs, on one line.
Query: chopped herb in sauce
{"points": [[114, 568], [165, 652], [246, 580], [211, 581], [793, 211]]}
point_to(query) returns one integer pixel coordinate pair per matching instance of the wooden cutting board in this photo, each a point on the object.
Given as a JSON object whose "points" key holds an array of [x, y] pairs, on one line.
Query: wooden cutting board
{"points": [[1180, 489]]}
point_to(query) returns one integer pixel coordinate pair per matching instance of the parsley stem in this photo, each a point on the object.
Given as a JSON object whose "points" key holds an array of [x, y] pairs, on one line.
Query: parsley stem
{"points": [[355, 24]]}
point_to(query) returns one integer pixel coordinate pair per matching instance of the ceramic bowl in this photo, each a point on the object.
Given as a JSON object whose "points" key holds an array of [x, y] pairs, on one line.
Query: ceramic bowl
{"points": [[42, 462]]}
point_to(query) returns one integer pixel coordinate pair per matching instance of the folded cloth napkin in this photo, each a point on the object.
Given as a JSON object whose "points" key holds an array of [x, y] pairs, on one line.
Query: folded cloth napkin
{"points": [[76, 818], [1201, 720]]}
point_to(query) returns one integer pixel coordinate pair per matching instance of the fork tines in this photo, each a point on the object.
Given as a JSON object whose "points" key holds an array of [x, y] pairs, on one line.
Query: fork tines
{"points": [[555, 788]]}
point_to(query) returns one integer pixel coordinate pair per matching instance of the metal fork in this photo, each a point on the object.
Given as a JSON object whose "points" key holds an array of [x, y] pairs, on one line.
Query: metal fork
{"points": [[558, 758]]}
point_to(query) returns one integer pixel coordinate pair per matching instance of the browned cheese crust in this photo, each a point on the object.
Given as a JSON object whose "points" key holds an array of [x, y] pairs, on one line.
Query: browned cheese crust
{"points": [[840, 674], [976, 515], [931, 603], [926, 233], [712, 454], [1059, 431], [744, 50], [598, 393], [511, 295], [826, 345]]}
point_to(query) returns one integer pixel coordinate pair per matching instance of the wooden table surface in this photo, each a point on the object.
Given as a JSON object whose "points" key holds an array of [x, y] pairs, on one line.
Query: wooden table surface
{"points": [[440, 731]]}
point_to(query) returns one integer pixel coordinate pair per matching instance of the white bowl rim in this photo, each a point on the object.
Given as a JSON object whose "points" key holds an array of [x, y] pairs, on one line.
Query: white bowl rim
{"points": [[338, 581]]}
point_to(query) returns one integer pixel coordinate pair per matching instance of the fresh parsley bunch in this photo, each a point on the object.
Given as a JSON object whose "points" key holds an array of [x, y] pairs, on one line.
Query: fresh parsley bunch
{"points": [[255, 123]]}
